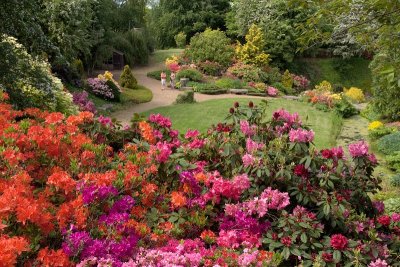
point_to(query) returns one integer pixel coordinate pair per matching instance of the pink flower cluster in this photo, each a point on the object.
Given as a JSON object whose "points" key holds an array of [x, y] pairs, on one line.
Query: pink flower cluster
{"points": [[378, 263], [161, 151], [248, 160], [300, 82], [227, 188], [272, 91], [252, 146], [237, 238], [160, 120], [247, 129], [285, 116], [333, 153], [359, 149], [301, 135], [192, 134], [106, 121], [269, 199]]}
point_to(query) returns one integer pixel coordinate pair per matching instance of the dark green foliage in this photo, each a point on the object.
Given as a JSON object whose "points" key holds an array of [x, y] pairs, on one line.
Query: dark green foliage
{"points": [[207, 88], [229, 83], [185, 97], [270, 76], [389, 143], [169, 17], [345, 109], [127, 80], [115, 90], [393, 162], [157, 74], [191, 74], [395, 180]]}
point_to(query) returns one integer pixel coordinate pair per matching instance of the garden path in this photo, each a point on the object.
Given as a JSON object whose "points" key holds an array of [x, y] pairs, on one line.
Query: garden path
{"points": [[160, 98]]}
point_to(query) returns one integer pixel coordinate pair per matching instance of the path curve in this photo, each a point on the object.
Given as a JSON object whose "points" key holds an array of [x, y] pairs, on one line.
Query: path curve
{"points": [[160, 98]]}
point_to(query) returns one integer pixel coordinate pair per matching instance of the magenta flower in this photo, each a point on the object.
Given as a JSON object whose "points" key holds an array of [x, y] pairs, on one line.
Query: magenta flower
{"points": [[247, 129], [359, 149], [106, 121], [192, 134], [301, 136], [339, 242], [378, 263], [160, 120]]}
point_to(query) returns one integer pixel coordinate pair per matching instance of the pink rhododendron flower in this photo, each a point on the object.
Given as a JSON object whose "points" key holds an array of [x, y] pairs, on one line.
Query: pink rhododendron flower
{"points": [[248, 160], [396, 217], [272, 91], [284, 115], [247, 129], [378, 263], [358, 149], [252, 146], [106, 121], [192, 134], [160, 120], [162, 151], [301, 136]]}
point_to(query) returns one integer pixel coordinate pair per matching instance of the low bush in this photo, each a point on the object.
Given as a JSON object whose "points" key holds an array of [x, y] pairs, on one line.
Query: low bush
{"points": [[185, 97], [228, 83], [377, 133], [140, 95], [127, 80], [285, 90], [81, 99], [271, 75], [345, 109], [191, 74], [390, 143], [393, 161], [287, 79], [208, 88], [247, 73], [210, 68], [355, 94], [392, 205], [395, 180], [324, 86], [157, 74]]}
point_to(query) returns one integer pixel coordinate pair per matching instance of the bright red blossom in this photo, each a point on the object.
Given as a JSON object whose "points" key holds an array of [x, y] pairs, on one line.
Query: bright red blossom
{"points": [[339, 242]]}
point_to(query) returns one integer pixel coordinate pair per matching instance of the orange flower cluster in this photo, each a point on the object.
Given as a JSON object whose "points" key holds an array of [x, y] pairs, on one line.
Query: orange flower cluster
{"points": [[178, 199], [10, 248], [147, 132]]}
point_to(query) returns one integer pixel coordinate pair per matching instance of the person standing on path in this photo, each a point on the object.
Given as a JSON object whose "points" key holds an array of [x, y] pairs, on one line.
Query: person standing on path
{"points": [[163, 80], [172, 80]]}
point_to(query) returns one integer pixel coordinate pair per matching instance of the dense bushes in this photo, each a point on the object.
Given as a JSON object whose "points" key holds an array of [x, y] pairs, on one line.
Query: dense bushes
{"points": [[91, 193], [105, 87], [28, 80], [191, 74], [211, 45], [180, 40], [389, 143], [127, 79], [229, 83], [185, 97], [210, 68], [393, 162], [157, 74]]}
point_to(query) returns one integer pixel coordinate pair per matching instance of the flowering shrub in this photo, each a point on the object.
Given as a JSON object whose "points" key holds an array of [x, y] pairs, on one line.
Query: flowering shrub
{"points": [[172, 63], [105, 86], [324, 86], [300, 83], [81, 99], [354, 94], [210, 68], [247, 73], [272, 91], [375, 125], [68, 198]]}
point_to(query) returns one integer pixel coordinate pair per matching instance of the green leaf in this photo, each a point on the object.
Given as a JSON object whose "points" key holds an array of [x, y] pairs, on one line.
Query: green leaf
{"points": [[327, 209], [296, 252], [337, 256], [303, 238], [286, 253]]}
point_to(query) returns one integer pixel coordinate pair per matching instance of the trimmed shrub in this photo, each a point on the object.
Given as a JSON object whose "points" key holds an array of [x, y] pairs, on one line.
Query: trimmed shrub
{"points": [[283, 89], [390, 143], [229, 83], [287, 79], [127, 80], [191, 74], [185, 97]]}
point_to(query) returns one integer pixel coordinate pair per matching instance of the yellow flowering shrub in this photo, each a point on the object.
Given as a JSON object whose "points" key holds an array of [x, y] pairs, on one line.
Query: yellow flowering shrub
{"points": [[336, 96], [171, 60], [106, 76], [355, 94], [324, 86], [252, 51], [287, 79], [375, 125]]}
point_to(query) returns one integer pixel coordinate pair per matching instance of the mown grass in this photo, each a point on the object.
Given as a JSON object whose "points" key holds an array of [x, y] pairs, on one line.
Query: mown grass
{"points": [[161, 55], [344, 72], [202, 115]]}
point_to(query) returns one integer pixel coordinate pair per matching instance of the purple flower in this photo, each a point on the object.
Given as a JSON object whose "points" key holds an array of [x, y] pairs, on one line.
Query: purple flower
{"points": [[100, 87], [82, 101], [124, 204], [75, 243], [91, 193], [358, 149]]}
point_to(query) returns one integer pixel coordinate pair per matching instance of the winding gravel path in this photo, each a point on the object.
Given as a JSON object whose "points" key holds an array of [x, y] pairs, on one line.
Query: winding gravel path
{"points": [[160, 98]]}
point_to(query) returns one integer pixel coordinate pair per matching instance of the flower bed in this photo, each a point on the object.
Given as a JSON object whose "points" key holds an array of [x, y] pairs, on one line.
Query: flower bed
{"points": [[249, 193]]}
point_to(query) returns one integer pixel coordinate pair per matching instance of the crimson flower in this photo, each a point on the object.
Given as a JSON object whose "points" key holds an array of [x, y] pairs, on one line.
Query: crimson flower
{"points": [[339, 242]]}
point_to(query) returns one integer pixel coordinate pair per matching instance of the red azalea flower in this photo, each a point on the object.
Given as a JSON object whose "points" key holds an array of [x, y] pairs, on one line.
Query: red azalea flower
{"points": [[384, 220], [339, 242]]}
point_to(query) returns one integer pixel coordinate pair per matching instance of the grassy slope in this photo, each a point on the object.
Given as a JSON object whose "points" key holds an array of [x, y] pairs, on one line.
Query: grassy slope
{"points": [[202, 115], [161, 55], [355, 71]]}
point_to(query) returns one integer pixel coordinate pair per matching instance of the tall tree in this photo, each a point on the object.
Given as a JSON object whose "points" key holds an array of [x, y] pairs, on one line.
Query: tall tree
{"points": [[173, 16]]}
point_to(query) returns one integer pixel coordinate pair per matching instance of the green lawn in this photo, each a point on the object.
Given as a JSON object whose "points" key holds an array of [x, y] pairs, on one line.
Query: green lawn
{"points": [[202, 115], [346, 72], [161, 55]]}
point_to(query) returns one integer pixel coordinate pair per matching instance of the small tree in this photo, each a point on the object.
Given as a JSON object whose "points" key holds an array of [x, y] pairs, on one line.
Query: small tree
{"points": [[180, 40], [127, 80], [287, 79], [252, 52]]}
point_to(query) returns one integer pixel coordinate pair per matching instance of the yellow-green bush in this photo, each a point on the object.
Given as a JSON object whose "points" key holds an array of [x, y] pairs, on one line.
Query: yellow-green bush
{"points": [[287, 79], [355, 94], [324, 86], [252, 51]]}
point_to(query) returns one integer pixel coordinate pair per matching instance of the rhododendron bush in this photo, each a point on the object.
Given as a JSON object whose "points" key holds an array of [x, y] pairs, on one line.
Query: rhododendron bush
{"points": [[250, 192]]}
